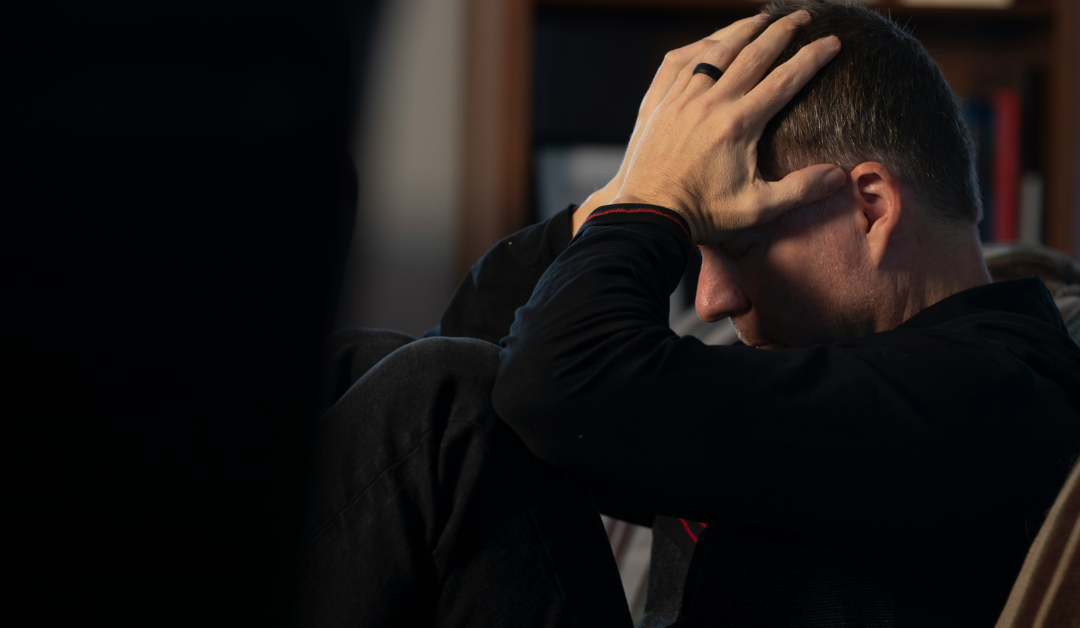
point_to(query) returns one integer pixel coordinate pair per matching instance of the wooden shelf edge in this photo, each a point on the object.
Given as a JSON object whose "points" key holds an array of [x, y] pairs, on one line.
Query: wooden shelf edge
{"points": [[1032, 9]]}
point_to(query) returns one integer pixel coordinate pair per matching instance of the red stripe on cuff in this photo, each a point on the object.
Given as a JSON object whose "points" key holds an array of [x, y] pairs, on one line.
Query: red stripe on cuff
{"points": [[688, 531], [644, 210]]}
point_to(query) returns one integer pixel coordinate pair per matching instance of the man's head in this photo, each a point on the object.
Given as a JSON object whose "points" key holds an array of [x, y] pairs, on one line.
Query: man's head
{"points": [[863, 260], [881, 99]]}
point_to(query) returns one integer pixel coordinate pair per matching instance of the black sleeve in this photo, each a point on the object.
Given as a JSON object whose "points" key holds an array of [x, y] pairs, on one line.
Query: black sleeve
{"points": [[502, 280], [895, 441]]}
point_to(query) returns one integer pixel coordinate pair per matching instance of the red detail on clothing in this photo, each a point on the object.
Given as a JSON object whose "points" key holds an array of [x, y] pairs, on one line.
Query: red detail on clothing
{"points": [[688, 531], [645, 210]]}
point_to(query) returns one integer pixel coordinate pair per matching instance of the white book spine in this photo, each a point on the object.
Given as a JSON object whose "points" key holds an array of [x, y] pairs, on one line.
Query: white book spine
{"points": [[1031, 208]]}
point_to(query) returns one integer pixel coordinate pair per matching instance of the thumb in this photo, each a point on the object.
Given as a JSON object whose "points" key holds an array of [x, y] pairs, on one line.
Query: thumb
{"points": [[802, 187]]}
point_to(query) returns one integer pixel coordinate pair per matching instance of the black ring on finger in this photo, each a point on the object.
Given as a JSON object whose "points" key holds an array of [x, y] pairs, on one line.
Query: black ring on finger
{"points": [[709, 70]]}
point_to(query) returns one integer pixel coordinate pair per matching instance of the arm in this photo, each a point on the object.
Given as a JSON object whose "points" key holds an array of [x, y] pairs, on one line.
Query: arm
{"points": [[594, 381], [922, 441], [674, 63], [500, 282]]}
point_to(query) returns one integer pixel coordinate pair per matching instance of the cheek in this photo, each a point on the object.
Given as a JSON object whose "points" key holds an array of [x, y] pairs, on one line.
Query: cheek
{"points": [[796, 280], [792, 266]]}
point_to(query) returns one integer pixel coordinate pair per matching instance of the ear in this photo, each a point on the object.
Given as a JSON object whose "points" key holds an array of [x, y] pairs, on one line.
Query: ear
{"points": [[879, 202]]}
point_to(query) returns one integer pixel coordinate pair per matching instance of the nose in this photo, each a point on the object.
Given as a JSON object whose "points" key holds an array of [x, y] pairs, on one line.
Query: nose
{"points": [[718, 296]]}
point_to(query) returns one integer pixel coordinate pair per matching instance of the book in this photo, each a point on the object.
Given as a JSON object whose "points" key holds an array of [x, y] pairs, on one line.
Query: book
{"points": [[1031, 208], [1032, 185], [1006, 165]]}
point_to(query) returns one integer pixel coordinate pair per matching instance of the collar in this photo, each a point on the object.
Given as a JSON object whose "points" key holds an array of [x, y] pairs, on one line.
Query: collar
{"points": [[1025, 297]]}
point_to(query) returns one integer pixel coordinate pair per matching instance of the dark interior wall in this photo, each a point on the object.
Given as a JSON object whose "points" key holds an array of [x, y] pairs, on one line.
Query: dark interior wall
{"points": [[593, 66], [178, 200]]}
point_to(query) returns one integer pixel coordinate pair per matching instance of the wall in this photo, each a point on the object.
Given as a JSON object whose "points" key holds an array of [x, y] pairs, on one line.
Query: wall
{"points": [[400, 273]]}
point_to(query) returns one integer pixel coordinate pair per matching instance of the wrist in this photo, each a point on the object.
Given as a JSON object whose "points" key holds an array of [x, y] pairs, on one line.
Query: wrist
{"points": [[599, 198], [631, 199], [635, 212]]}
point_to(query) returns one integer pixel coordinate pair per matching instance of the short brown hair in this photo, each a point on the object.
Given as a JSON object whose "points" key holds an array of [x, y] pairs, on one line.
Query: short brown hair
{"points": [[881, 99]]}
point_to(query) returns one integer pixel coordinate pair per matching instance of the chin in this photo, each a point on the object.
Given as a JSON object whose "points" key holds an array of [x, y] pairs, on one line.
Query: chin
{"points": [[755, 340]]}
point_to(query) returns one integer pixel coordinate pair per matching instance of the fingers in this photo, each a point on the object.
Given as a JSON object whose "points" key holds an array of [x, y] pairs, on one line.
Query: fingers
{"points": [[721, 54], [770, 96], [734, 26], [754, 60], [798, 189], [669, 73], [669, 70]]}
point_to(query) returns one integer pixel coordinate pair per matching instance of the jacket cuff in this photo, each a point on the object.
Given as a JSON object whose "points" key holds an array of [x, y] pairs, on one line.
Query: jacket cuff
{"points": [[635, 213]]}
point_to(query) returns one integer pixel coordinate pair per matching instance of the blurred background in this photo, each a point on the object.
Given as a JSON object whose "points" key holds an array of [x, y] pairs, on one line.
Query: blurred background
{"points": [[483, 116], [195, 193]]}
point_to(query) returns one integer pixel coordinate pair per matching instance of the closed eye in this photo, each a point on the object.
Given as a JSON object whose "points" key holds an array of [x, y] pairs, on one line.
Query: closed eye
{"points": [[742, 247]]}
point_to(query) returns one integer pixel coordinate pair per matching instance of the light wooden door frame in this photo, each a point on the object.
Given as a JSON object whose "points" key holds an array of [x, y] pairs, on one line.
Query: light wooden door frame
{"points": [[498, 125]]}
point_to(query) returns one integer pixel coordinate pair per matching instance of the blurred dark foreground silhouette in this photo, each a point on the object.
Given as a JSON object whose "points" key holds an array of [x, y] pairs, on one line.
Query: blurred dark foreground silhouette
{"points": [[178, 201]]}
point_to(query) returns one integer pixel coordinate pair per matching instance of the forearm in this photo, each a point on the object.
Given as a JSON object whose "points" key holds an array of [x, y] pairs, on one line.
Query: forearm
{"points": [[585, 338], [595, 382], [502, 280]]}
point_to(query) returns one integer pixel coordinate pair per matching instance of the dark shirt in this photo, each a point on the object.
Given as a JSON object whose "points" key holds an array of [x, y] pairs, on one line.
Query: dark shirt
{"points": [[908, 469]]}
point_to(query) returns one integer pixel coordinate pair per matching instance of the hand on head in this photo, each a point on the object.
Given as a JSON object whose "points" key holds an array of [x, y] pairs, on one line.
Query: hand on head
{"points": [[668, 72], [697, 152], [859, 266]]}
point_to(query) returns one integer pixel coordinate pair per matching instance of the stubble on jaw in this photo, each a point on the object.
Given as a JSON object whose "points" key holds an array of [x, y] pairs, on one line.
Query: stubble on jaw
{"points": [[836, 298], [850, 312]]}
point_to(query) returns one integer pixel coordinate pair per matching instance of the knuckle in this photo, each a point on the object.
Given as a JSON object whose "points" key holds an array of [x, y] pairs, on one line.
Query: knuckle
{"points": [[801, 193], [677, 56], [717, 55], [755, 207], [752, 55], [782, 78], [667, 72], [737, 123], [698, 110], [723, 58]]}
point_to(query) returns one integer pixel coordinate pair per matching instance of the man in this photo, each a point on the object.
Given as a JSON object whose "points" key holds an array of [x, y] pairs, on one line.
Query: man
{"points": [[887, 464]]}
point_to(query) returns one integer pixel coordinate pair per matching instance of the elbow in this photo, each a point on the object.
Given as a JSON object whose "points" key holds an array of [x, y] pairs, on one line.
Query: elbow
{"points": [[518, 394], [526, 397]]}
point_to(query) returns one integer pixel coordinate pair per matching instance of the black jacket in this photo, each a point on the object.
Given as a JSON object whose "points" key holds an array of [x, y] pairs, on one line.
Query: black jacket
{"points": [[893, 480]]}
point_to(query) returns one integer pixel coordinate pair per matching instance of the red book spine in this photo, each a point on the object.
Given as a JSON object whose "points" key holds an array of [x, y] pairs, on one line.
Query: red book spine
{"points": [[1006, 185]]}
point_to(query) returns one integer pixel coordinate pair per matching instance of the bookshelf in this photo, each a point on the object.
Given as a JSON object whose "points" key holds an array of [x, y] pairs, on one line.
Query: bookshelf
{"points": [[979, 50]]}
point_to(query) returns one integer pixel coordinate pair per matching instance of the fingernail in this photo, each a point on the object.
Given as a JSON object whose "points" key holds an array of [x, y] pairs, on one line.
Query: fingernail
{"points": [[832, 41], [800, 17], [834, 180], [761, 18]]}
